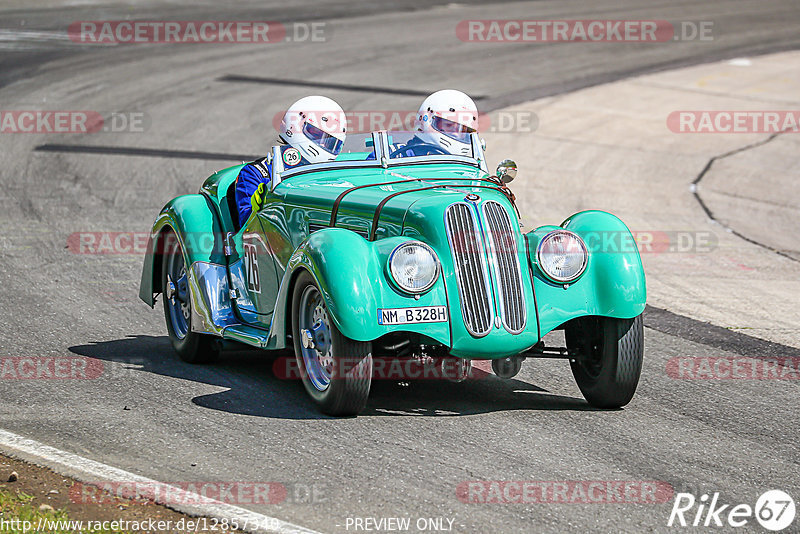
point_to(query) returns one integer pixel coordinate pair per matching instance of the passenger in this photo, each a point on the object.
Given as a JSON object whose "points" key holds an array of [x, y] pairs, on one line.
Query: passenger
{"points": [[445, 120]]}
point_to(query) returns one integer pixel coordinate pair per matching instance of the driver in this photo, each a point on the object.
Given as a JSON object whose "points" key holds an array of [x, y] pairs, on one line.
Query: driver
{"points": [[312, 131], [445, 119]]}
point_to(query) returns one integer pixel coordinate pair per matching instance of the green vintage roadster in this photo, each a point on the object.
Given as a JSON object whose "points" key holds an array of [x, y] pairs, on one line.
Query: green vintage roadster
{"points": [[376, 255]]}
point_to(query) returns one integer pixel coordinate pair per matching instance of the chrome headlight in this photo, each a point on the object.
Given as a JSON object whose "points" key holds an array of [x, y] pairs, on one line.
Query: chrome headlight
{"points": [[414, 266], [562, 256]]}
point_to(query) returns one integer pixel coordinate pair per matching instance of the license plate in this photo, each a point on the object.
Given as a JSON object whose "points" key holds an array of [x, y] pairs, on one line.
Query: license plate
{"points": [[424, 314]]}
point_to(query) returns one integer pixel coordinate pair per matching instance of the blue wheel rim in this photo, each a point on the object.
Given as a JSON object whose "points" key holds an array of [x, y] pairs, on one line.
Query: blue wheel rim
{"points": [[314, 323], [177, 292]]}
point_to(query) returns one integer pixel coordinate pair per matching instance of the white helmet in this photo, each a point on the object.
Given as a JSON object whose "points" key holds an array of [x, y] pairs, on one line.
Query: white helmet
{"points": [[446, 118], [315, 126]]}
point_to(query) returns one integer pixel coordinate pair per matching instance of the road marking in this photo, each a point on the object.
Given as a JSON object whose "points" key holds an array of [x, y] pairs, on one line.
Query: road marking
{"points": [[89, 471]]}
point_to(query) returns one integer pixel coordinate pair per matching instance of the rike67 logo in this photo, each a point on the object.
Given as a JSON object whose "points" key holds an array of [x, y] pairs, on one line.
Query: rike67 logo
{"points": [[774, 510]]}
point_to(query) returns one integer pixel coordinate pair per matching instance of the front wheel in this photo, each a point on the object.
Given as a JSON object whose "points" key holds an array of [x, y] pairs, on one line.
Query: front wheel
{"points": [[336, 370], [190, 346], [608, 359]]}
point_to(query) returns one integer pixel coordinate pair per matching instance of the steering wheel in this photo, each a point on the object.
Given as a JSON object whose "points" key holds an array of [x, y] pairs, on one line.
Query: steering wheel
{"points": [[426, 150]]}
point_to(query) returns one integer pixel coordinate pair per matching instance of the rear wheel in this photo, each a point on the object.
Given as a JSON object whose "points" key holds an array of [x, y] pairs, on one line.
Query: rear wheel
{"points": [[336, 370], [190, 346], [609, 361]]}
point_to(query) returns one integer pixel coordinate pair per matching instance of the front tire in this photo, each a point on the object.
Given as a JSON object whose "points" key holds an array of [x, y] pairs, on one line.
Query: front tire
{"points": [[336, 370], [609, 362], [190, 346]]}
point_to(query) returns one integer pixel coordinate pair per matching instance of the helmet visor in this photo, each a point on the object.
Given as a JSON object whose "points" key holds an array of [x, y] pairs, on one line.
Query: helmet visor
{"points": [[452, 129], [325, 140]]}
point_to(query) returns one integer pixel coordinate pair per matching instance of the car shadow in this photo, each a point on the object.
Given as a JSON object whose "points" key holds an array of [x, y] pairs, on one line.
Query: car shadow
{"points": [[253, 387]]}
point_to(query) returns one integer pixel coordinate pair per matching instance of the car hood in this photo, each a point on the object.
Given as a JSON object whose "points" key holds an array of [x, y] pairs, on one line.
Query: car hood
{"points": [[410, 200]]}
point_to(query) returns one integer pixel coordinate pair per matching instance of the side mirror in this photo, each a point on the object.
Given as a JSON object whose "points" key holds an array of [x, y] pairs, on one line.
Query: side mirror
{"points": [[507, 170]]}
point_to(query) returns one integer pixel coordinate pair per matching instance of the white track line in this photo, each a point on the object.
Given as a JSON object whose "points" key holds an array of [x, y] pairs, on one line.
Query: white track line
{"points": [[91, 472]]}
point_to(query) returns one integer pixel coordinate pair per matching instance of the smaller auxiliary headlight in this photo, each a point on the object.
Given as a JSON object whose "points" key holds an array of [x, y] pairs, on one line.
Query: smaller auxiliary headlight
{"points": [[414, 266], [562, 256]]}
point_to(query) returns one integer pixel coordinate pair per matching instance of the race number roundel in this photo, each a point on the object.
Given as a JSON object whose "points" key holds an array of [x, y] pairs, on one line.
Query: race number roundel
{"points": [[291, 157]]}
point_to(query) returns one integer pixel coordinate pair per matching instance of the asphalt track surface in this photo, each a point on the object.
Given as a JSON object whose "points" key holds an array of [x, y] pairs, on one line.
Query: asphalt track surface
{"points": [[207, 106]]}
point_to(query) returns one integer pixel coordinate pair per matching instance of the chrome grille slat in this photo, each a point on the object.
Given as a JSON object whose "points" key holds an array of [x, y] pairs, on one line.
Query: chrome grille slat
{"points": [[473, 279], [506, 266], [473, 286], [468, 244], [462, 245]]}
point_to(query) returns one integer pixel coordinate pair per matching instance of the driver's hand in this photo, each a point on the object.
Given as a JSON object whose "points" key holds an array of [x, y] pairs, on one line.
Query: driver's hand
{"points": [[257, 200]]}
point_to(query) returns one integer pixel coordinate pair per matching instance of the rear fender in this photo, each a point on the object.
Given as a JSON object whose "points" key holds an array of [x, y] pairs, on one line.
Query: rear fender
{"points": [[194, 223]]}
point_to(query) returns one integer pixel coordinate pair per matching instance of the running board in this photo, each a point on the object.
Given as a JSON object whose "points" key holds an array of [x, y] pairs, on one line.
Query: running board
{"points": [[249, 335]]}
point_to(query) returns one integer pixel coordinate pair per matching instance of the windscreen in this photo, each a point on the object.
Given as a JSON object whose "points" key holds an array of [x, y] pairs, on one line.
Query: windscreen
{"points": [[356, 147], [419, 144]]}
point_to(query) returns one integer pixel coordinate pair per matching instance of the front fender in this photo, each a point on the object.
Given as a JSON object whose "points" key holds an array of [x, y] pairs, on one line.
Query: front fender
{"points": [[197, 228], [351, 274], [613, 284]]}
